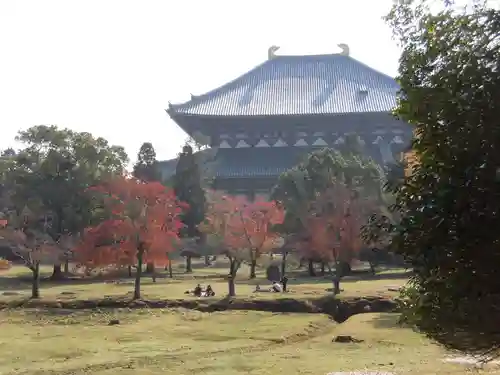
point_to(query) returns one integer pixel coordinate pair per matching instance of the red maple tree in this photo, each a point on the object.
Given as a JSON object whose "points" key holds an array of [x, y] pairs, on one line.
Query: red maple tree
{"points": [[332, 228], [143, 228], [254, 225], [244, 230]]}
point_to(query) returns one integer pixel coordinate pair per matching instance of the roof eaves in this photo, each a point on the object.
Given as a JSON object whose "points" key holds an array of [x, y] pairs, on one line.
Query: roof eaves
{"points": [[173, 113]]}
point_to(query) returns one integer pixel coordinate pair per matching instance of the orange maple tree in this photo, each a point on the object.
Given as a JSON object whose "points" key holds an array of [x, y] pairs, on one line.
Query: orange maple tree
{"points": [[143, 227], [244, 229], [253, 227], [333, 226]]}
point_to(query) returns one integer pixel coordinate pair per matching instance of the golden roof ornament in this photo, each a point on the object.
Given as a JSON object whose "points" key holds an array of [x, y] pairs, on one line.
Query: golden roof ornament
{"points": [[345, 49], [271, 52]]}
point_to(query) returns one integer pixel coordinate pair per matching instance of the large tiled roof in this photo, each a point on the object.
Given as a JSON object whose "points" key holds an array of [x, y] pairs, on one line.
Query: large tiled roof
{"points": [[298, 85]]}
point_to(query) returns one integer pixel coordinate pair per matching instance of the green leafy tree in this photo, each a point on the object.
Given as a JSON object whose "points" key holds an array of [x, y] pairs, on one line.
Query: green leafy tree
{"points": [[52, 172], [7, 163], [187, 183], [299, 188], [449, 204]]}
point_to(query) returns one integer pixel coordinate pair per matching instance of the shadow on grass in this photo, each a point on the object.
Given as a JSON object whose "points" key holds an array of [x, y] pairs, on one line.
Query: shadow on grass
{"points": [[23, 282], [338, 309], [303, 278]]}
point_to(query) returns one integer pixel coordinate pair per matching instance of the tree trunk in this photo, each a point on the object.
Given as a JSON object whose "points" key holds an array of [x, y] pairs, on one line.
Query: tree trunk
{"points": [[283, 263], [322, 268], [35, 282], [311, 268], [129, 271], [66, 267], [231, 286], [189, 267], [57, 273], [170, 273], [336, 285], [150, 268], [138, 274], [253, 265], [207, 260], [372, 268], [233, 268]]}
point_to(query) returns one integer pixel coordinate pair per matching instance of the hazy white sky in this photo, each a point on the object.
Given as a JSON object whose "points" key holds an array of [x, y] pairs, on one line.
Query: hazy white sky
{"points": [[110, 67]]}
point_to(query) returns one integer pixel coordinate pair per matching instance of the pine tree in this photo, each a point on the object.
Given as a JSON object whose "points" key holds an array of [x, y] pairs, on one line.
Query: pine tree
{"points": [[146, 167], [187, 186]]}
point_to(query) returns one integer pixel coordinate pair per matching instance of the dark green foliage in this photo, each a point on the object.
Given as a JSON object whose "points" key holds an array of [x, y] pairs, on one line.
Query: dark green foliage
{"points": [[188, 189], [299, 186], [51, 173], [7, 163], [146, 168], [450, 84]]}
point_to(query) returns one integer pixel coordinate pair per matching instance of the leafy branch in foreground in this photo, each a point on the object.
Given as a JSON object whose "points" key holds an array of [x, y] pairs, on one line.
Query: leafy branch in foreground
{"points": [[450, 89]]}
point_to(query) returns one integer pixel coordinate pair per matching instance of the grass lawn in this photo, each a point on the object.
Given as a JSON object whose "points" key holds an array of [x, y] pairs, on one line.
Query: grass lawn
{"points": [[166, 288], [176, 341], [188, 342]]}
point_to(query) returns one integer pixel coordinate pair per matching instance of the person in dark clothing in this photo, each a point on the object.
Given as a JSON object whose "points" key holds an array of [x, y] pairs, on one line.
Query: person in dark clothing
{"points": [[209, 292], [197, 291], [284, 282]]}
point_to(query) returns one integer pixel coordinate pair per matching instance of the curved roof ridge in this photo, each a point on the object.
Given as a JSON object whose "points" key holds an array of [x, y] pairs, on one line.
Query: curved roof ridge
{"points": [[197, 98], [375, 70], [298, 84]]}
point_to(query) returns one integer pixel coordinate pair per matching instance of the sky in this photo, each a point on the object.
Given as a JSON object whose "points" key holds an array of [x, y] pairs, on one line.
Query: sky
{"points": [[110, 67]]}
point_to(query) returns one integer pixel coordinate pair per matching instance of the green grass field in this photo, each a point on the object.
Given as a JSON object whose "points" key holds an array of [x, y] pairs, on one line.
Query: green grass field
{"points": [[177, 341], [16, 280], [188, 342]]}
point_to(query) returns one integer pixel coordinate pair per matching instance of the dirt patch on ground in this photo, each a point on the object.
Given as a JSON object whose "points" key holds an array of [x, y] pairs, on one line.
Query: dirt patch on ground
{"points": [[339, 309]]}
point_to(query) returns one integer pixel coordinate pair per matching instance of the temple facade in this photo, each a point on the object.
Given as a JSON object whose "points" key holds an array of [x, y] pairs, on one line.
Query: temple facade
{"points": [[264, 122]]}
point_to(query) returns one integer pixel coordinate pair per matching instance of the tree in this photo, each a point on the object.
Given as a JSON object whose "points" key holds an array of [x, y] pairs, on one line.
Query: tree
{"points": [[255, 225], [301, 189], [332, 229], [376, 234], [144, 227], [146, 169], [30, 244], [53, 170], [187, 187], [218, 228], [7, 163], [449, 75]]}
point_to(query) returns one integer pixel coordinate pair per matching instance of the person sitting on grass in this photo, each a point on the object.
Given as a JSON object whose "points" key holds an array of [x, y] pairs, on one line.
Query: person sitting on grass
{"points": [[197, 291], [209, 291], [277, 288], [258, 289]]}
